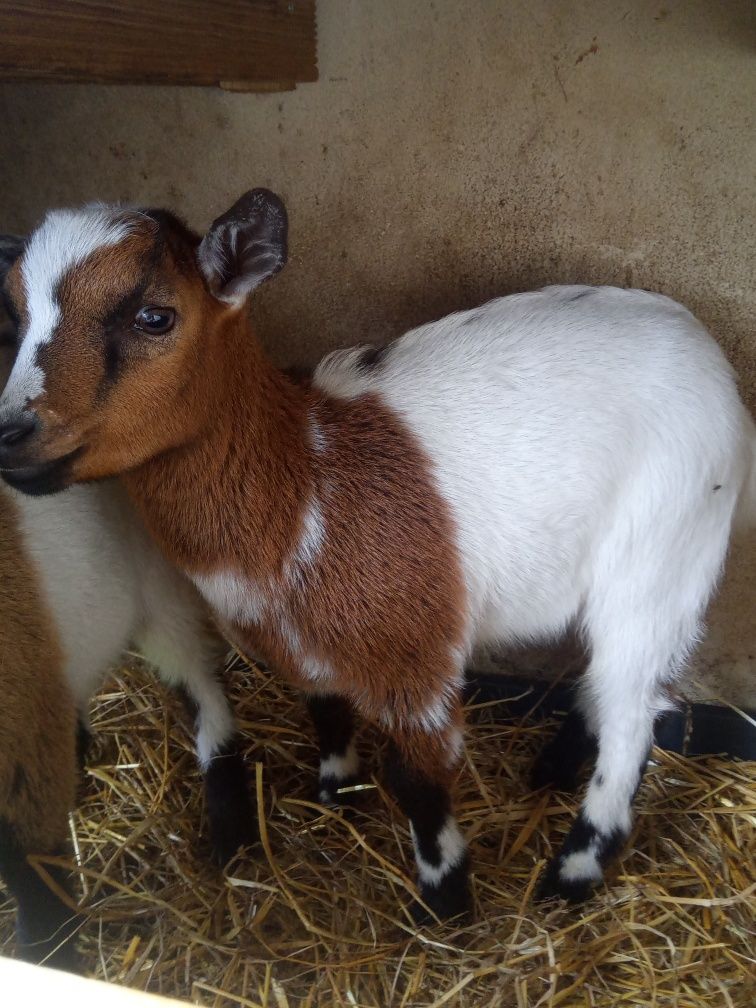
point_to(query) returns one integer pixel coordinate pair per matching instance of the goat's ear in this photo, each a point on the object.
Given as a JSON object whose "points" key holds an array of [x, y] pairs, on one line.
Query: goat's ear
{"points": [[245, 246], [11, 247]]}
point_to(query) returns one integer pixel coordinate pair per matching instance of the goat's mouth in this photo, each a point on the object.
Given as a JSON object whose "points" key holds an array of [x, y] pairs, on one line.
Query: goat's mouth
{"points": [[42, 478]]}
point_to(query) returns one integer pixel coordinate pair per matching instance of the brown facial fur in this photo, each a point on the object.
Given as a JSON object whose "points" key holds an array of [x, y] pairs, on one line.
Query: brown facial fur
{"points": [[37, 714], [112, 391]]}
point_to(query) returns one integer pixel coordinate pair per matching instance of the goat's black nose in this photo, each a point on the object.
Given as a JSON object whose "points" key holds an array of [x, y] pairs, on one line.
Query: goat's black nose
{"points": [[13, 432]]}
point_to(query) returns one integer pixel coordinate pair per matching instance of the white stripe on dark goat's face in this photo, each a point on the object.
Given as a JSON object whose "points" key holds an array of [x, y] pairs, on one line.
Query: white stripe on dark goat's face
{"points": [[65, 239], [107, 301]]}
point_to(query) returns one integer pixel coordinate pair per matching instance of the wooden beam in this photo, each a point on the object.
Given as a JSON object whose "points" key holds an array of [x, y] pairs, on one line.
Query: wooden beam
{"points": [[205, 42], [23, 984]]}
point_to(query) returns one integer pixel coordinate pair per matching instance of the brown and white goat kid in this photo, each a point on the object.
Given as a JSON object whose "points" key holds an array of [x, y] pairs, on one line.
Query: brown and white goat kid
{"points": [[572, 455], [80, 580]]}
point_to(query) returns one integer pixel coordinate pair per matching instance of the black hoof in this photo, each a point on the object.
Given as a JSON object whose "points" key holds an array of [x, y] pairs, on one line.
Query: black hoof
{"points": [[231, 812], [337, 793], [63, 956], [451, 898], [552, 885], [237, 829], [227, 842], [58, 951]]}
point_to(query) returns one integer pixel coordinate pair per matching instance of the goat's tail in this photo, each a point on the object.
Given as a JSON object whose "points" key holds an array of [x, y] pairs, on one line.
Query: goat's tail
{"points": [[746, 513]]}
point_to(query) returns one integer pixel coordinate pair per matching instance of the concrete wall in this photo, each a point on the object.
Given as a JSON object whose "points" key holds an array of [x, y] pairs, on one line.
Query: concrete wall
{"points": [[451, 152]]}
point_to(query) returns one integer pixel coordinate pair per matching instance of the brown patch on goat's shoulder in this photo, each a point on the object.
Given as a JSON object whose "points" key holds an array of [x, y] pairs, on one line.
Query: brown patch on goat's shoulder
{"points": [[388, 590], [383, 604], [37, 713], [242, 477], [374, 608]]}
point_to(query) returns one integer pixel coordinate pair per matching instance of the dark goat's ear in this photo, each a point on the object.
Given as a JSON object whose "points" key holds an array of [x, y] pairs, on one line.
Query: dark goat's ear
{"points": [[245, 246], [11, 247]]}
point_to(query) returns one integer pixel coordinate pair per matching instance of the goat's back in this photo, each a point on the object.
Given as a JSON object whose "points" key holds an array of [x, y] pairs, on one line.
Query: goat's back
{"points": [[550, 417]]}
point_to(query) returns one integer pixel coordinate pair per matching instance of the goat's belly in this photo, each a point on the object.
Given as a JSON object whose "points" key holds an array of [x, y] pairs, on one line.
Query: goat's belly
{"points": [[525, 613]]}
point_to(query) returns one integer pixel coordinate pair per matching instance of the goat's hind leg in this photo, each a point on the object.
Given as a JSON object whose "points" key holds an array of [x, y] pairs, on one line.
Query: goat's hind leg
{"points": [[561, 760], [641, 621], [625, 680], [46, 928]]}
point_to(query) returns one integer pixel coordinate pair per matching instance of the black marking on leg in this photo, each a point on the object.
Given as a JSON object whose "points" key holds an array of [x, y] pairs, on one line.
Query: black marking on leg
{"points": [[333, 717], [428, 808], [426, 805], [452, 897], [45, 926], [230, 809], [561, 760], [582, 837]]}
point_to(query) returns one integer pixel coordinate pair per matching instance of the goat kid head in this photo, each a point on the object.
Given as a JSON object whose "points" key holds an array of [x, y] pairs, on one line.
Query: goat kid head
{"points": [[115, 311]]}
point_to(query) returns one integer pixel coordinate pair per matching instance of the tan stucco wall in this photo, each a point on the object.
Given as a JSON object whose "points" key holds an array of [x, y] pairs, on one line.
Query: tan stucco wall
{"points": [[450, 152]]}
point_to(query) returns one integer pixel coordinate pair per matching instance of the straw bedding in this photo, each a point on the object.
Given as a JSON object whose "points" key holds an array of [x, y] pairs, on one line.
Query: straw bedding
{"points": [[317, 916]]}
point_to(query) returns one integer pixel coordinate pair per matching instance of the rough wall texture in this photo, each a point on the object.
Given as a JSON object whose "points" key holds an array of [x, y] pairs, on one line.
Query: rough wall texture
{"points": [[451, 152]]}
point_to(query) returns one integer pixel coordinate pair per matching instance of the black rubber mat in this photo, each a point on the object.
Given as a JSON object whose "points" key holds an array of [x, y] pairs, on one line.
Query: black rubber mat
{"points": [[694, 729]]}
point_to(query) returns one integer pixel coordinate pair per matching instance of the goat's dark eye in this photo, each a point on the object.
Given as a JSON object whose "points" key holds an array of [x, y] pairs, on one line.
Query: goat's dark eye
{"points": [[151, 319]]}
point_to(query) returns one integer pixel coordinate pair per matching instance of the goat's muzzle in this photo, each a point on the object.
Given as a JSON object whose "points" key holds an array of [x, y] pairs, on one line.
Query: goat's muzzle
{"points": [[23, 464]]}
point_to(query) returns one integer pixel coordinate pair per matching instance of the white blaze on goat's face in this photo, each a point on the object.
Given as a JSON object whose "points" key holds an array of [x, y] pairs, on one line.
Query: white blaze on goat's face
{"points": [[65, 239], [110, 308], [116, 311]]}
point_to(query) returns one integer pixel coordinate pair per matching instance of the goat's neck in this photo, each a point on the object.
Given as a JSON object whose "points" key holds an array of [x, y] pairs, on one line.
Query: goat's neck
{"points": [[231, 498]]}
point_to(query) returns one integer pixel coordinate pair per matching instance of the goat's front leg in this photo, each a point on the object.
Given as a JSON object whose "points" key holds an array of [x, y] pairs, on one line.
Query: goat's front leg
{"points": [[420, 769], [34, 820], [45, 927], [185, 660], [333, 717]]}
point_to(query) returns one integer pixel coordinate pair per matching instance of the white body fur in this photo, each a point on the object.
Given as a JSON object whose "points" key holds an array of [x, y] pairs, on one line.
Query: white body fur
{"points": [[578, 441], [593, 450], [107, 587]]}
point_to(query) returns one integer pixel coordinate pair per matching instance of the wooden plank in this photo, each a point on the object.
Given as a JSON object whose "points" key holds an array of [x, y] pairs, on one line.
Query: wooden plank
{"points": [[23, 984], [257, 87], [164, 42]]}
